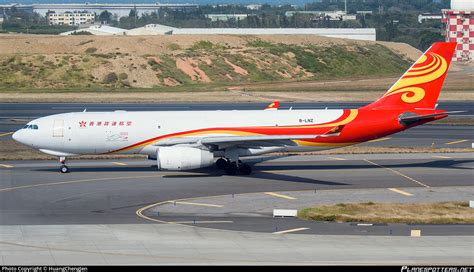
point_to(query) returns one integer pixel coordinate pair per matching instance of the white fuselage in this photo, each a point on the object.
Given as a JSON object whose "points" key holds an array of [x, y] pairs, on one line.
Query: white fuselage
{"points": [[105, 132]]}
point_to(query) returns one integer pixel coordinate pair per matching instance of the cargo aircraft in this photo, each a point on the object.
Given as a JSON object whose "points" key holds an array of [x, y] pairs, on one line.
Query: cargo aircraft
{"points": [[185, 140]]}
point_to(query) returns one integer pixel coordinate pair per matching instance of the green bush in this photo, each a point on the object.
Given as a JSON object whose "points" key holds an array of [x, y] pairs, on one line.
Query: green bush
{"points": [[91, 50], [122, 76], [110, 78], [173, 46], [202, 45]]}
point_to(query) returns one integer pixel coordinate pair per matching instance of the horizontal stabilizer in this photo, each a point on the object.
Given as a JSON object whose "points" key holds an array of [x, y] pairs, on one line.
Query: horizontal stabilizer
{"points": [[408, 119]]}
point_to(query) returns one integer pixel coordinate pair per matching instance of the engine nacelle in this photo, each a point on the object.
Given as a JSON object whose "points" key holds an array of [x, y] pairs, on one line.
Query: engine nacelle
{"points": [[183, 158]]}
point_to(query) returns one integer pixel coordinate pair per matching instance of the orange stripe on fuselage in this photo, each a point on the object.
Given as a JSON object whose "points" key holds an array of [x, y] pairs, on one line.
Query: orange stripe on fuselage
{"points": [[347, 117]]}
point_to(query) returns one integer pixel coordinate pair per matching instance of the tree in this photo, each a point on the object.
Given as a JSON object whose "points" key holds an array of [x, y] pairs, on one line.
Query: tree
{"points": [[105, 16], [132, 13]]}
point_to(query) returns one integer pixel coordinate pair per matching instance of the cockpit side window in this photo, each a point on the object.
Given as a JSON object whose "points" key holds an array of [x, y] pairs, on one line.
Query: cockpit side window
{"points": [[30, 127]]}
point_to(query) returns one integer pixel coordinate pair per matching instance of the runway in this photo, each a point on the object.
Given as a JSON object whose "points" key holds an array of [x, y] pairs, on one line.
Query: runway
{"points": [[110, 192], [107, 212]]}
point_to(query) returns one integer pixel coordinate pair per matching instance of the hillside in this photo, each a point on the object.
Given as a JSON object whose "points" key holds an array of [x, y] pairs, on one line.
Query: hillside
{"points": [[160, 62]]}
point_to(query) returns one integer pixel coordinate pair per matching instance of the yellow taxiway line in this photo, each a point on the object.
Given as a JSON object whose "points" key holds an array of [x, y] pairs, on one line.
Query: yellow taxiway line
{"points": [[456, 142], [290, 230], [400, 191], [280, 195], [442, 157], [5, 134], [119, 163], [196, 204], [6, 165], [379, 140], [337, 159]]}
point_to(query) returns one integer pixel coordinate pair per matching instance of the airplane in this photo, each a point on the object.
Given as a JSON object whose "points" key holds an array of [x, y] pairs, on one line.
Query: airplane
{"points": [[273, 106], [186, 140]]}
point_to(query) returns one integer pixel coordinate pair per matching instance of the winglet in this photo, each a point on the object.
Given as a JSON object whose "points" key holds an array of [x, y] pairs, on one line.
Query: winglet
{"points": [[273, 106]]}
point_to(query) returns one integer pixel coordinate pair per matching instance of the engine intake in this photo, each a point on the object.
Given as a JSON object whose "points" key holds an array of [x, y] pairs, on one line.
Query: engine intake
{"points": [[179, 158]]}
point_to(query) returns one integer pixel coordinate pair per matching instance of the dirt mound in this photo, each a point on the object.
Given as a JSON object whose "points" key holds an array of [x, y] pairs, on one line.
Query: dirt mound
{"points": [[55, 62], [141, 45]]}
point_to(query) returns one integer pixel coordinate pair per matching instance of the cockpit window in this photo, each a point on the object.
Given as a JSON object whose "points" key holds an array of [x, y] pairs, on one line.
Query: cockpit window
{"points": [[30, 127]]}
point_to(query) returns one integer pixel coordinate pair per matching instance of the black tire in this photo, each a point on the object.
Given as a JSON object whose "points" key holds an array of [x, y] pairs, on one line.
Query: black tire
{"points": [[221, 163], [245, 169], [231, 169], [64, 169]]}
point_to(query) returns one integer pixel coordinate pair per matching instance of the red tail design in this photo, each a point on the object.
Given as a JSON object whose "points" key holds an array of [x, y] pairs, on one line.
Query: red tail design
{"points": [[420, 86], [273, 106]]}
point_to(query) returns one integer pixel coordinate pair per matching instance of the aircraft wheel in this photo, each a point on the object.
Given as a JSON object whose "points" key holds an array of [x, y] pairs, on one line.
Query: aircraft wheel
{"points": [[245, 169], [231, 169], [64, 169], [221, 163]]}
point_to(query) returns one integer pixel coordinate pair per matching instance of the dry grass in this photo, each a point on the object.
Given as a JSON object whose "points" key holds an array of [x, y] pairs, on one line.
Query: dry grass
{"points": [[11, 150], [199, 96], [412, 213]]}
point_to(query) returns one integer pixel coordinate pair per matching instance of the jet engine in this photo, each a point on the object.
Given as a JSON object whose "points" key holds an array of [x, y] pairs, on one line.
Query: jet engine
{"points": [[183, 158]]}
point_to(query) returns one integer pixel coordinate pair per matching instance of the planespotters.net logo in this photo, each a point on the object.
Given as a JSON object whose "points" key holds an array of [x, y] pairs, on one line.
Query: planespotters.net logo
{"points": [[437, 269]]}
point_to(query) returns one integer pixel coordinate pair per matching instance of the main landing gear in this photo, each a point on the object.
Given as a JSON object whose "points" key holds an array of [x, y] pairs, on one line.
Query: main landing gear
{"points": [[232, 168], [63, 169]]}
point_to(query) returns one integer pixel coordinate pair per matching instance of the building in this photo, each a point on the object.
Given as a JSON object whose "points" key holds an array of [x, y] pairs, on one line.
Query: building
{"points": [[99, 30], [367, 34], [226, 17], [429, 16], [254, 7], [337, 15], [151, 29], [117, 10], [459, 22], [70, 18]]}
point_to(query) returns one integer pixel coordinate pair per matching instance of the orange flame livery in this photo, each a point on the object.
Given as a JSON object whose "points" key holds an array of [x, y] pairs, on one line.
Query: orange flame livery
{"points": [[420, 86]]}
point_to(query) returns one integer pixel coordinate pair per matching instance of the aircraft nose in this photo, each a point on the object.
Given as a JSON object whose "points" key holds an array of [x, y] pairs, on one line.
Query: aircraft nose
{"points": [[17, 136]]}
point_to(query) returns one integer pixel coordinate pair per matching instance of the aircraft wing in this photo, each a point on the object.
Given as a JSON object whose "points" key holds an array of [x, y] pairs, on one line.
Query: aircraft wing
{"points": [[247, 141]]}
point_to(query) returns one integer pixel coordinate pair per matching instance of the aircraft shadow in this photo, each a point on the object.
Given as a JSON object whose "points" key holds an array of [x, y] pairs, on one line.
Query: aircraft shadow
{"points": [[448, 164], [262, 171]]}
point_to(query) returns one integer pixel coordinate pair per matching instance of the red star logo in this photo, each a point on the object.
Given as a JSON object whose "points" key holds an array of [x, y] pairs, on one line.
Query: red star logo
{"points": [[82, 124]]}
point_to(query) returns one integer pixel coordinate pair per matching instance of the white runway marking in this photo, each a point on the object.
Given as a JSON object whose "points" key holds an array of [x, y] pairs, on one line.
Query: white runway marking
{"points": [[398, 173], [290, 230], [280, 195]]}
